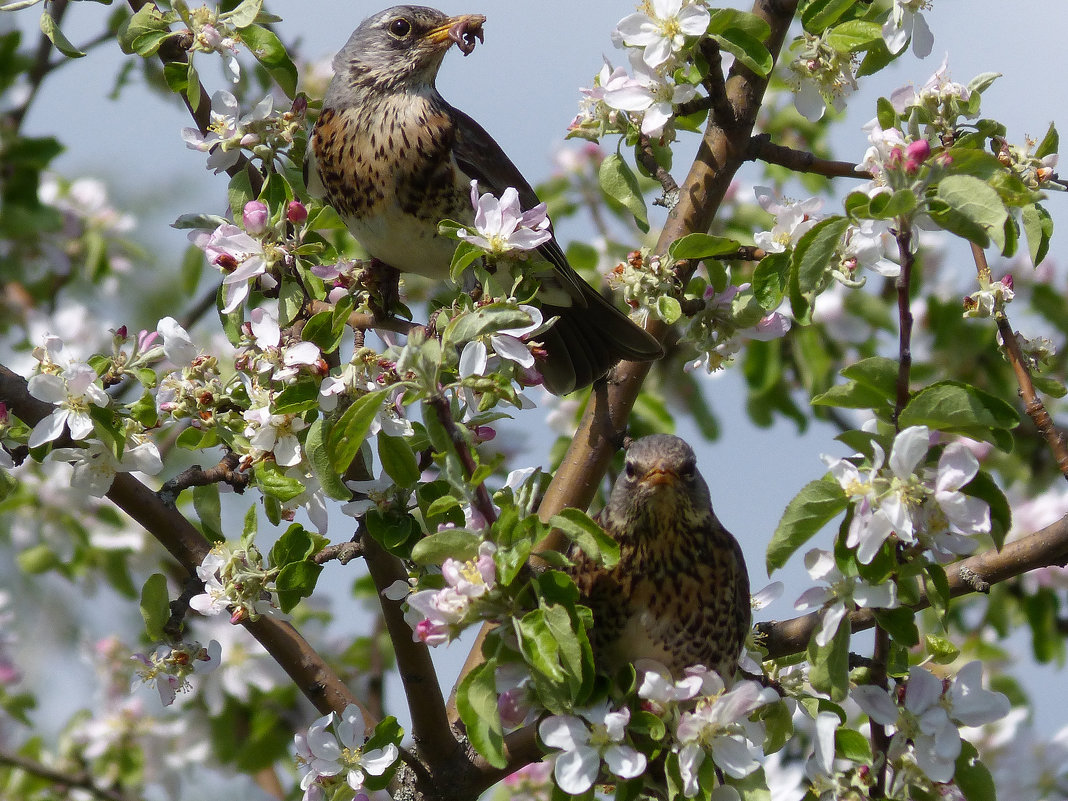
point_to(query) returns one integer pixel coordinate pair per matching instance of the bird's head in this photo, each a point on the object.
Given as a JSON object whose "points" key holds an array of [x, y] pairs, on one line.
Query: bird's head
{"points": [[659, 485], [402, 47]]}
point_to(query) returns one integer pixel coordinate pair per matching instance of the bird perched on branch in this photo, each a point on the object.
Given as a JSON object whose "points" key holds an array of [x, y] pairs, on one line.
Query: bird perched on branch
{"points": [[394, 159], [679, 594]]}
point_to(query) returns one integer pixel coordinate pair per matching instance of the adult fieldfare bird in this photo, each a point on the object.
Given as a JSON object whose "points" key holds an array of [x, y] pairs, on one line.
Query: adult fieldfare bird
{"points": [[679, 594], [394, 159]]}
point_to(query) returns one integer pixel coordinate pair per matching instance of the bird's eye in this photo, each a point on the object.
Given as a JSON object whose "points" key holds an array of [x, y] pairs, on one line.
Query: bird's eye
{"points": [[630, 470], [688, 470], [400, 27]]}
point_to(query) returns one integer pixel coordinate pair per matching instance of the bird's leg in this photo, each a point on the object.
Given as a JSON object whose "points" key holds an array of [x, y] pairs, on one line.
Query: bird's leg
{"points": [[383, 282]]}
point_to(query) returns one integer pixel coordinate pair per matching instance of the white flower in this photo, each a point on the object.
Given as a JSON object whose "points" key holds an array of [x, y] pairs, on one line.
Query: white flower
{"points": [[72, 391], [841, 590], [333, 747], [226, 132], [275, 433], [932, 714], [718, 728], [213, 600], [95, 466], [906, 22], [664, 32], [436, 615], [883, 147], [583, 745], [178, 347], [792, 219], [501, 225], [238, 256], [650, 94], [282, 361]]}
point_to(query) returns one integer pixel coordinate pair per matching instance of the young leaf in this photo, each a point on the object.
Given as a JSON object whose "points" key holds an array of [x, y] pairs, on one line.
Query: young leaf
{"points": [[814, 250], [476, 701], [455, 543], [155, 606], [271, 53], [812, 508], [581, 529], [701, 246], [620, 183], [350, 430]]}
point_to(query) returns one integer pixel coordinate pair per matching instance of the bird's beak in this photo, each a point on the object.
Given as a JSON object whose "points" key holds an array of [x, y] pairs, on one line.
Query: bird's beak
{"points": [[462, 30], [658, 476]]}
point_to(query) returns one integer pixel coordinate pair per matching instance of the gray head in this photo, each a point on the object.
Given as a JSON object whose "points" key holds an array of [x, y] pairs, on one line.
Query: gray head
{"points": [[401, 47], [659, 483]]}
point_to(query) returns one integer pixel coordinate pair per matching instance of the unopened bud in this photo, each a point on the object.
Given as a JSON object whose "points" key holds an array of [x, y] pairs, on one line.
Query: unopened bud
{"points": [[254, 217], [297, 212]]}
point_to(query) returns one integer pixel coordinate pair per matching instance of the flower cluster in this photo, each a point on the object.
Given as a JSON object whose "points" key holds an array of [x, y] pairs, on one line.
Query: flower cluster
{"points": [[821, 76], [333, 761], [1037, 172], [649, 286], [990, 299], [262, 131], [234, 577], [927, 719], [728, 319], [436, 616], [169, 667], [939, 103], [900, 497], [712, 724], [659, 38]]}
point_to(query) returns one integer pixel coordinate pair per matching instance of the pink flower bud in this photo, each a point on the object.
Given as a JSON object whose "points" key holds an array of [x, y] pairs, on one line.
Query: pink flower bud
{"points": [[297, 212], [484, 433], [918, 150], [1007, 282], [122, 332], [254, 217]]}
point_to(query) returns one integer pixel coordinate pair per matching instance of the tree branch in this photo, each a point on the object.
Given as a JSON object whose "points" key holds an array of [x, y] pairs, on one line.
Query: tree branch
{"points": [[359, 321], [903, 284], [80, 781], [1033, 405], [976, 573], [319, 683], [761, 147], [225, 472], [430, 726]]}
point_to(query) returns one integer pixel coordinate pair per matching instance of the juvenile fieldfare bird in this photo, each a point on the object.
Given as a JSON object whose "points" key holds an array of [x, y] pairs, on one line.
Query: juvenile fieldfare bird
{"points": [[394, 159], [679, 594]]}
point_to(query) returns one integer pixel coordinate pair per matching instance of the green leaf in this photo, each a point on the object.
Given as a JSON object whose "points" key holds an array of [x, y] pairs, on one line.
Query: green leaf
{"points": [[398, 460], [973, 210], [821, 13], [668, 309], [1050, 143], [50, 29], [319, 458], [245, 13], [295, 581], [1038, 227], [584, 531], [853, 395], [484, 320], [829, 664], [814, 251], [984, 487], [954, 405], [321, 331], [900, 623], [454, 543], [701, 246], [273, 482], [620, 183], [972, 777], [143, 32], [877, 372], [941, 650], [723, 18], [809, 511], [936, 585], [348, 433], [747, 49], [271, 53], [886, 114], [155, 606], [476, 701], [855, 35], [771, 278], [208, 507], [301, 396], [852, 745]]}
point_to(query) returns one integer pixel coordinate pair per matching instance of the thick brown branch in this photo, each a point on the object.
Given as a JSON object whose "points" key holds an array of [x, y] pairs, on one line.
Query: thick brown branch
{"points": [[225, 472], [1033, 405], [761, 148], [430, 726], [73, 781], [1041, 549], [189, 547]]}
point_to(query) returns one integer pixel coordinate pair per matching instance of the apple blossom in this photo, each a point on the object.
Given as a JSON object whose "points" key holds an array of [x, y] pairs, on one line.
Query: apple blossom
{"points": [[662, 32], [584, 740], [502, 226], [332, 753]]}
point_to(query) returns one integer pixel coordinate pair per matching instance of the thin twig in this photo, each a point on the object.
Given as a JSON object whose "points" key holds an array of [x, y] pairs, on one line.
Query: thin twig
{"points": [[1042, 549], [79, 781], [904, 313], [225, 472], [344, 552], [762, 149], [1033, 405], [880, 741], [647, 158], [482, 501]]}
